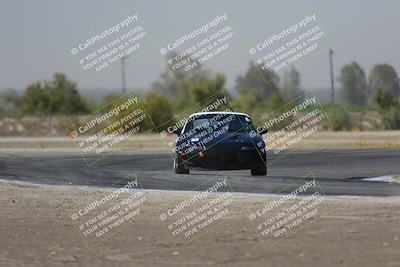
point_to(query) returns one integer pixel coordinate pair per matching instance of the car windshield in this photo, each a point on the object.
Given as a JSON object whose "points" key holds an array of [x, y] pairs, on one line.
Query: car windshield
{"points": [[229, 122]]}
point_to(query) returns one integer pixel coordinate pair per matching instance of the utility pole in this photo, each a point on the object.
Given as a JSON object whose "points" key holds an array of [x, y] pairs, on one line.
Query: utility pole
{"points": [[332, 79], [123, 74]]}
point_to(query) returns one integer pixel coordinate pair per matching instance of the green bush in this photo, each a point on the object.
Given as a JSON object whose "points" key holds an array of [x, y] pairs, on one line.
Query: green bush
{"points": [[248, 100], [159, 110], [389, 107], [339, 120], [391, 118]]}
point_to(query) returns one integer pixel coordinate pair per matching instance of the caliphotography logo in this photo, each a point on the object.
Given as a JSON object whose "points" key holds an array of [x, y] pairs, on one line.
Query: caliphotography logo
{"points": [[108, 46], [188, 52], [191, 218], [99, 218], [283, 48], [110, 126], [297, 205]]}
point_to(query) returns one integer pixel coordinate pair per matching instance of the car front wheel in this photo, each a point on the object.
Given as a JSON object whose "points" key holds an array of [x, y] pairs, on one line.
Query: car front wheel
{"points": [[179, 167], [261, 169]]}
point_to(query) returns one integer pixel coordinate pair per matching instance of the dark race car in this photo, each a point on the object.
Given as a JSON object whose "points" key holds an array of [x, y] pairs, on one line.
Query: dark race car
{"points": [[220, 141]]}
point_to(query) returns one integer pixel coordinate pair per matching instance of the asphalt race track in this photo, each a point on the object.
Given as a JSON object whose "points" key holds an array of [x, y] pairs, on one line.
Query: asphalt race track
{"points": [[338, 172]]}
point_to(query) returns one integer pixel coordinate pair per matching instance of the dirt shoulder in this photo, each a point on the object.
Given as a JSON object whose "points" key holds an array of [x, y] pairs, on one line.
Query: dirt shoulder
{"points": [[36, 229]]}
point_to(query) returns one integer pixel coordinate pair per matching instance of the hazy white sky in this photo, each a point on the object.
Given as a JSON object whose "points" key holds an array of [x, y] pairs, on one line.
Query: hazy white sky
{"points": [[35, 36]]}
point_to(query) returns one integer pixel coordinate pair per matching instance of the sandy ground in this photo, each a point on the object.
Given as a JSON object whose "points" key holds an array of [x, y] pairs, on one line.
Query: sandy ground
{"points": [[37, 230], [320, 140]]}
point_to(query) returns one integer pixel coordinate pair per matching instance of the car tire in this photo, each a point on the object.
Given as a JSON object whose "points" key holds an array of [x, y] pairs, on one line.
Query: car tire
{"points": [[179, 167], [261, 170]]}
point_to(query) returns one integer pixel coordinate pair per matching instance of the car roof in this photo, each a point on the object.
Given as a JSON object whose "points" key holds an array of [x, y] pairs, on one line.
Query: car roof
{"points": [[219, 112]]}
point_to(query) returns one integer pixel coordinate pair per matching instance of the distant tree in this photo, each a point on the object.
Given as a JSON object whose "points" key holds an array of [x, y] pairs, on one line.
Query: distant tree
{"points": [[388, 105], [201, 89], [263, 82], [339, 119], [248, 100], [291, 83], [35, 100], [9, 100], [277, 101], [384, 100], [391, 118], [65, 98], [168, 82], [384, 76], [159, 109], [59, 96], [115, 100], [280, 106], [184, 89], [354, 85], [109, 98]]}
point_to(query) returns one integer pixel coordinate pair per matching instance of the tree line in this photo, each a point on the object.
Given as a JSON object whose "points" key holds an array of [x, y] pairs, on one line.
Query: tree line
{"points": [[255, 91]]}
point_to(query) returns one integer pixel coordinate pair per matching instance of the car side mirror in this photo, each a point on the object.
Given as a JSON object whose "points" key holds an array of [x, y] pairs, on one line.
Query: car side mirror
{"points": [[262, 130]]}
